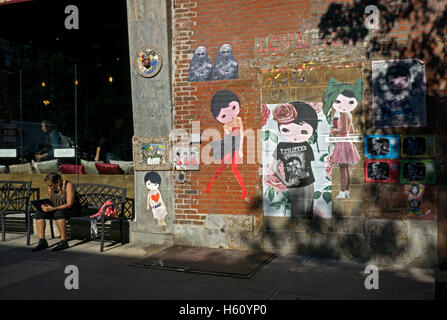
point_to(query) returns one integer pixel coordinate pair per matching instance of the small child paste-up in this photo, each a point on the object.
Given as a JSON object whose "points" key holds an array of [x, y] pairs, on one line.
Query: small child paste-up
{"points": [[152, 180]]}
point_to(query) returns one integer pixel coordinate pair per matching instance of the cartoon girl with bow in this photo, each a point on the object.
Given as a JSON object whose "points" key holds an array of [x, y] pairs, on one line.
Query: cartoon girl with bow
{"points": [[344, 98]]}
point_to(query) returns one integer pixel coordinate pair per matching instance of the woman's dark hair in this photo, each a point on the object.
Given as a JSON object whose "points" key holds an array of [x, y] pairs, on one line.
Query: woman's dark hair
{"points": [[153, 177], [221, 100], [306, 114], [53, 177], [398, 70], [49, 125]]}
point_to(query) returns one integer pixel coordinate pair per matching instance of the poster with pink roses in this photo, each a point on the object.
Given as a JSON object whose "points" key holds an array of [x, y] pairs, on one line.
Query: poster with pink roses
{"points": [[297, 180]]}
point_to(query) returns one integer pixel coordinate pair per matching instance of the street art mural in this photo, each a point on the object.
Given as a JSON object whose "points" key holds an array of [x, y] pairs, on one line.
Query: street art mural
{"points": [[415, 192], [200, 68], [148, 62], [225, 66], [296, 171], [225, 108], [398, 93], [155, 202], [151, 153], [343, 99], [418, 146], [186, 158], [379, 146], [421, 171], [384, 171]]}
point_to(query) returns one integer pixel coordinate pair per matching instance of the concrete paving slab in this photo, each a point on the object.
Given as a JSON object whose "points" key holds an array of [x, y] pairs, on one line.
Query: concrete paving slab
{"points": [[107, 275]]}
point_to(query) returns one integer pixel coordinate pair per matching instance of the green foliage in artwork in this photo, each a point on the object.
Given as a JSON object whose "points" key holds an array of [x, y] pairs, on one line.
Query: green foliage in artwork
{"points": [[324, 155], [273, 137], [327, 196], [266, 135], [277, 204], [271, 194], [270, 135], [283, 201], [314, 138], [329, 119]]}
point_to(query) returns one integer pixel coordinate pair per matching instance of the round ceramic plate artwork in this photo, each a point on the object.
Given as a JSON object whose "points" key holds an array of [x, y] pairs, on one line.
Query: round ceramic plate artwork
{"points": [[148, 62]]}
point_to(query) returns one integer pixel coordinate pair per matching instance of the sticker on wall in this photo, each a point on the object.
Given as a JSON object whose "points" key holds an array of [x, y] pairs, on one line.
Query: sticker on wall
{"points": [[186, 158], [225, 108], [398, 93], [418, 146], [343, 98], [152, 181], [200, 68], [148, 62], [379, 146], [420, 171], [296, 171], [385, 171], [415, 192], [151, 153]]}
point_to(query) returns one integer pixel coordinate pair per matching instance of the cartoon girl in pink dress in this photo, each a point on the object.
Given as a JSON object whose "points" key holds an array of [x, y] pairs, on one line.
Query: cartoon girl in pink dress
{"points": [[344, 98], [225, 107]]}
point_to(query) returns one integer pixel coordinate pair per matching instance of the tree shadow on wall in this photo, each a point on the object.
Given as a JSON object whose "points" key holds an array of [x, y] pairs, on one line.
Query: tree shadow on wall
{"points": [[340, 237], [406, 29]]}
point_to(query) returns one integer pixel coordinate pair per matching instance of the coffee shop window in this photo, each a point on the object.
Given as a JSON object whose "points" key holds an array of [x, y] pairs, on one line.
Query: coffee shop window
{"points": [[98, 146], [71, 119], [65, 95]]}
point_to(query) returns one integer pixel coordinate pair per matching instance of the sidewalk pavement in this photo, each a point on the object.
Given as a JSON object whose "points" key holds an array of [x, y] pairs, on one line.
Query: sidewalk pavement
{"points": [[40, 275]]}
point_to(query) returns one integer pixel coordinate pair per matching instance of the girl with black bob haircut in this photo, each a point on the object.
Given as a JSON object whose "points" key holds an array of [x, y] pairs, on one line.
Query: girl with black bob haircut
{"points": [[152, 180], [398, 77], [297, 124], [225, 108]]}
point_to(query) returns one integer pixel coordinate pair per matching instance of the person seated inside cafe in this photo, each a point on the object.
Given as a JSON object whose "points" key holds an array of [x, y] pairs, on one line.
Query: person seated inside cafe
{"points": [[115, 143], [53, 140]]}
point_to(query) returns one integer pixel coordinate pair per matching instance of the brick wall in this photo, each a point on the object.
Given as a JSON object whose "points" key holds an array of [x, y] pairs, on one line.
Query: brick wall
{"points": [[275, 34]]}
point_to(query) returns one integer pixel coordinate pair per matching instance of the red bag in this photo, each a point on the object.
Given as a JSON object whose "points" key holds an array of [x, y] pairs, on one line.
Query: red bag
{"points": [[109, 213]]}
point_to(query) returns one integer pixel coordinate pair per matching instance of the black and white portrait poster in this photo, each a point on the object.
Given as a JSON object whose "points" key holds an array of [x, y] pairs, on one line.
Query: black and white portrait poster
{"points": [[399, 93], [225, 66], [200, 68]]}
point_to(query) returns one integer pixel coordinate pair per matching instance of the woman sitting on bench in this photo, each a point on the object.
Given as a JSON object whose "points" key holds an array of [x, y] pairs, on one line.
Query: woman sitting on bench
{"points": [[62, 194]]}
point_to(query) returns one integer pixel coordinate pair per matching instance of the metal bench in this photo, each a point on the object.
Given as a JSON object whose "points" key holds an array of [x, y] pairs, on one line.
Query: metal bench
{"points": [[92, 197], [15, 197]]}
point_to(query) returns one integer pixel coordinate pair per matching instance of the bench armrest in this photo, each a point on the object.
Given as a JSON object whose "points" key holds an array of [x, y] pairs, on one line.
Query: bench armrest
{"points": [[8, 203]]}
